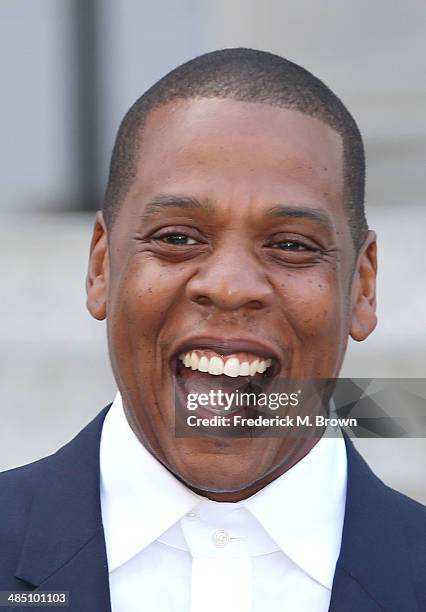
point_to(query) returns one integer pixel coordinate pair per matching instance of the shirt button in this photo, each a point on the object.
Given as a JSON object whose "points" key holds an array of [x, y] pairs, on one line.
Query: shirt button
{"points": [[192, 516], [220, 538]]}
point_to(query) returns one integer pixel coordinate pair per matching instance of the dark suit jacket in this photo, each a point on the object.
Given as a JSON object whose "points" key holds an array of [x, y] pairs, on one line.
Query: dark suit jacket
{"points": [[51, 534]]}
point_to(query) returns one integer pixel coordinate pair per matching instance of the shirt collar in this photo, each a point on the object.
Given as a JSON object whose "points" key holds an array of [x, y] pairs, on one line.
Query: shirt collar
{"points": [[140, 498], [302, 510]]}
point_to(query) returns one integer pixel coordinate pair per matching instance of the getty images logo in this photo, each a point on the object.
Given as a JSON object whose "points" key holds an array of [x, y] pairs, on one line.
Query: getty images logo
{"points": [[216, 398]]}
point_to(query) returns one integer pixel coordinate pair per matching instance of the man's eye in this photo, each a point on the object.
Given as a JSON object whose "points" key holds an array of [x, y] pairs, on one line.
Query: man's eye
{"points": [[177, 239], [290, 245]]}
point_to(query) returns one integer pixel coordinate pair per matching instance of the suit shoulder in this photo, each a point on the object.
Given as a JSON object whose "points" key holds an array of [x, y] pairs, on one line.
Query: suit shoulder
{"points": [[410, 507], [411, 512], [19, 485], [22, 478], [33, 493], [405, 510], [412, 519]]}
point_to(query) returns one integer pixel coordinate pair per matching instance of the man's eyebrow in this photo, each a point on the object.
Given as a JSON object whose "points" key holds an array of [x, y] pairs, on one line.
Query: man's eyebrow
{"points": [[162, 201], [314, 214]]}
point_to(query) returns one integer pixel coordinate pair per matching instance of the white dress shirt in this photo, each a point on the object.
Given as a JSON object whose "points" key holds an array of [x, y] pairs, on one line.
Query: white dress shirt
{"points": [[171, 550]]}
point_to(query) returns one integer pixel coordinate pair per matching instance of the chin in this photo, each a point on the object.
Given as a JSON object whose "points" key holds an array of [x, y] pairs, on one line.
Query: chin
{"points": [[216, 471], [216, 485]]}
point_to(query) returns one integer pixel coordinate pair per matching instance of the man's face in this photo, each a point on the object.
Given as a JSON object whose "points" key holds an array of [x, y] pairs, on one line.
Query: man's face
{"points": [[232, 243]]}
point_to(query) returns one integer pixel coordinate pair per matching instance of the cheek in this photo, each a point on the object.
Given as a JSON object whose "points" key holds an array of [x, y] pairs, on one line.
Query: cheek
{"points": [[141, 301], [137, 312], [313, 303]]}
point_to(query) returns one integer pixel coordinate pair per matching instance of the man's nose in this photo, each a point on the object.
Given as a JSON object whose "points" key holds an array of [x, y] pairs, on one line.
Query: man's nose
{"points": [[230, 279]]}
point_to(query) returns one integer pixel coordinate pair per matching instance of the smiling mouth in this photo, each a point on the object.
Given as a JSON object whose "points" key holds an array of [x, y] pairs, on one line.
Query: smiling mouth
{"points": [[228, 369], [233, 366]]}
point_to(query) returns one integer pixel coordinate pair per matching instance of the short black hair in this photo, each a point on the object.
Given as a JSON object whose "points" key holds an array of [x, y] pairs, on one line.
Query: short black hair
{"points": [[247, 75]]}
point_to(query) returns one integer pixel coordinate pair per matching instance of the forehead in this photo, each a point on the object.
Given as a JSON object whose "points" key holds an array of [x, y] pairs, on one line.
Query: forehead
{"points": [[218, 148]]}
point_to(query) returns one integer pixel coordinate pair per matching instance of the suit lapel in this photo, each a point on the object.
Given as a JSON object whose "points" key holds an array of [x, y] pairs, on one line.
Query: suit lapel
{"points": [[348, 595], [372, 572], [64, 547]]}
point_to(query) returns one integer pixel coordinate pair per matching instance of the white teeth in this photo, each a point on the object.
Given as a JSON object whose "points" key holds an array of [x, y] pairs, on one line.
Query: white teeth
{"points": [[253, 367], [203, 365], [261, 367], [230, 367], [244, 368], [194, 361], [216, 366]]}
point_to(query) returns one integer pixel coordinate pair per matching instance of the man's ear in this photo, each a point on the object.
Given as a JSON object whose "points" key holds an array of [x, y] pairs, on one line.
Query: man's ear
{"points": [[98, 270], [363, 293]]}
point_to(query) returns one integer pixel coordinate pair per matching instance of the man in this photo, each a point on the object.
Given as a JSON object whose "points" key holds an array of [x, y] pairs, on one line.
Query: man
{"points": [[232, 247]]}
